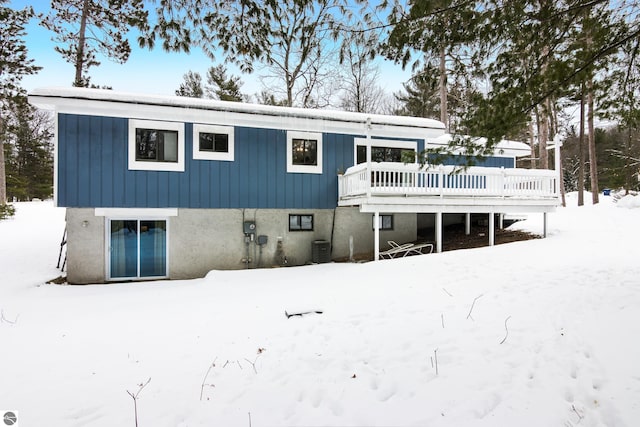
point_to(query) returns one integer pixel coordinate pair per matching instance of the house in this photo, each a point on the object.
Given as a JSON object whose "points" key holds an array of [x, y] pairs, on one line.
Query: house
{"points": [[173, 187]]}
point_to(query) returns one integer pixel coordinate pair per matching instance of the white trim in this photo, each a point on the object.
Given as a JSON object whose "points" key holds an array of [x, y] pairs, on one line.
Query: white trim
{"points": [[208, 155], [109, 103], [155, 166], [127, 213], [391, 143], [55, 159], [314, 136], [376, 237]]}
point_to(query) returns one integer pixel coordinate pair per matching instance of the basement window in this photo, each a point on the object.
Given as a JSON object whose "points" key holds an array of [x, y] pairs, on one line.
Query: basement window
{"points": [[385, 222], [156, 146], [213, 142], [299, 222]]}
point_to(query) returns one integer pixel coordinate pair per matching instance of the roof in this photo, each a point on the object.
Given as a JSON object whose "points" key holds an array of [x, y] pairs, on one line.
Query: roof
{"points": [[93, 101], [504, 147]]}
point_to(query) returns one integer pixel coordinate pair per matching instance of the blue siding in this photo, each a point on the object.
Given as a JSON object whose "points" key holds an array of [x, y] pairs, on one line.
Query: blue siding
{"points": [[489, 161], [93, 171]]}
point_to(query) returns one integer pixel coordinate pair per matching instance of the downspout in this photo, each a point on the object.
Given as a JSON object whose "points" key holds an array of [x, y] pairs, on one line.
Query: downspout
{"points": [[557, 144], [376, 217], [368, 139]]}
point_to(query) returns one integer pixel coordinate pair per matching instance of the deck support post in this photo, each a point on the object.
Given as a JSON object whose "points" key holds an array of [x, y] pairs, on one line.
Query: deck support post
{"points": [[501, 221], [438, 232], [492, 229], [544, 224], [467, 223], [376, 236]]}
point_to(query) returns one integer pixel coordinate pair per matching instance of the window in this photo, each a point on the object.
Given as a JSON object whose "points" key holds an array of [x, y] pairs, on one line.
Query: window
{"points": [[300, 222], [385, 222], [137, 248], [384, 154], [156, 145], [304, 152], [213, 142], [385, 150]]}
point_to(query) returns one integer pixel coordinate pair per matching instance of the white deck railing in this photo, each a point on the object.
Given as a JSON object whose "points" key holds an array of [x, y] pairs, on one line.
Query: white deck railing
{"points": [[397, 179]]}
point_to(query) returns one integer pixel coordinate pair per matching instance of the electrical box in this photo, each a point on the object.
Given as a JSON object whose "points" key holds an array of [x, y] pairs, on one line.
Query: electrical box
{"points": [[249, 227], [262, 239]]}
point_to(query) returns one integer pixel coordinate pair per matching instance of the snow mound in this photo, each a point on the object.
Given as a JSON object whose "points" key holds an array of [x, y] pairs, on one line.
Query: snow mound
{"points": [[629, 201]]}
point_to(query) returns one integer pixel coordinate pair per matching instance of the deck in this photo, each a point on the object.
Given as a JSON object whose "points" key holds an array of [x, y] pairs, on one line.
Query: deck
{"points": [[397, 187]]}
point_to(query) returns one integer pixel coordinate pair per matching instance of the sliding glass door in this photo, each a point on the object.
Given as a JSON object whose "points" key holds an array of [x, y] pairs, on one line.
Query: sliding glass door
{"points": [[137, 249]]}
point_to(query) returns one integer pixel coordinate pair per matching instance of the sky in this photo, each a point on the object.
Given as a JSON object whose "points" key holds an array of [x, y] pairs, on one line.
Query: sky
{"points": [[151, 72]]}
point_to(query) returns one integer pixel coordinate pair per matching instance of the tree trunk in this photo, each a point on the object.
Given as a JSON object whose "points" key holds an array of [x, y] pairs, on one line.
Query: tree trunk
{"points": [[543, 134], [593, 163], [581, 151], [3, 178], [627, 164], [561, 175], [442, 86], [79, 81], [533, 145]]}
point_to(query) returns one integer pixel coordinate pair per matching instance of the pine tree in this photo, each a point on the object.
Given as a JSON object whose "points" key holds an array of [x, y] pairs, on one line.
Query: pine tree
{"points": [[191, 86], [221, 87], [86, 28], [29, 153], [442, 32], [14, 64], [419, 97], [526, 48], [267, 98], [622, 106]]}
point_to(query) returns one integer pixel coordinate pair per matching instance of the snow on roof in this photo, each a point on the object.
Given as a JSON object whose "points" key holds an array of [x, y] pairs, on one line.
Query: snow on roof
{"points": [[45, 97], [504, 147]]}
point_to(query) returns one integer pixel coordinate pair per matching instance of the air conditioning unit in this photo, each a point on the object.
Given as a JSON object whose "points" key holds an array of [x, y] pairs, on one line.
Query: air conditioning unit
{"points": [[320, 251]]}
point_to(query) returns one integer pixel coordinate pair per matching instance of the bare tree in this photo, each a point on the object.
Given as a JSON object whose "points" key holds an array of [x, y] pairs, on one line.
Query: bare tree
{"points": [[291, 41], [300, 66], [361, 92]]}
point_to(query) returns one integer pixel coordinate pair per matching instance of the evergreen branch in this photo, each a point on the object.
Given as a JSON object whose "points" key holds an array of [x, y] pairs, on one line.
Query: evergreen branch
{"points": [[588, 63]]}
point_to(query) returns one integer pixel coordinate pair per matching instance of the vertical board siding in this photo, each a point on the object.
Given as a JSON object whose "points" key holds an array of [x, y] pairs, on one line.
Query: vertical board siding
{"points": [[489, 161], [93, 171]]}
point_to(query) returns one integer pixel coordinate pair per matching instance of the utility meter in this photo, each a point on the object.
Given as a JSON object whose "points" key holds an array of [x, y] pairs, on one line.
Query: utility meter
{"points": [[249, 227]]}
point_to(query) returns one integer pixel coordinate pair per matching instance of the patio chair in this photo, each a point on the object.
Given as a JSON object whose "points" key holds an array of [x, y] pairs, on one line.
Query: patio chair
{"points": [[405, 249], [395, 250], [420, 249]]}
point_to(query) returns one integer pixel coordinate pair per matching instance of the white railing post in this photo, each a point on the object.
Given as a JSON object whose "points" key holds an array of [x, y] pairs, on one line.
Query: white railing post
{"points": [[402, 180]]}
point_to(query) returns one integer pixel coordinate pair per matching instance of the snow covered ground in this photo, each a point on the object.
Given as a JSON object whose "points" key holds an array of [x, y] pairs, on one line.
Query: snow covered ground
{"points": [[399, 342]]}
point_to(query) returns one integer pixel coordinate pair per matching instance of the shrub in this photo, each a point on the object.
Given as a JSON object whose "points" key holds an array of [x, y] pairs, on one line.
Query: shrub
{"points": [[7, 211]]}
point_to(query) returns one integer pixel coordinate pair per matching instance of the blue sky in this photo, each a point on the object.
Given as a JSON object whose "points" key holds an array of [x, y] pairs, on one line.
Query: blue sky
{"points": [[153, 72]]}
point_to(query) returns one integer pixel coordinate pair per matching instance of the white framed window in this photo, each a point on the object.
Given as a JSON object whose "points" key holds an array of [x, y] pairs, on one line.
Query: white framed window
{"points": [[384, 150], [137, 248], [213, 142], [304, 152], [156, 146]]}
